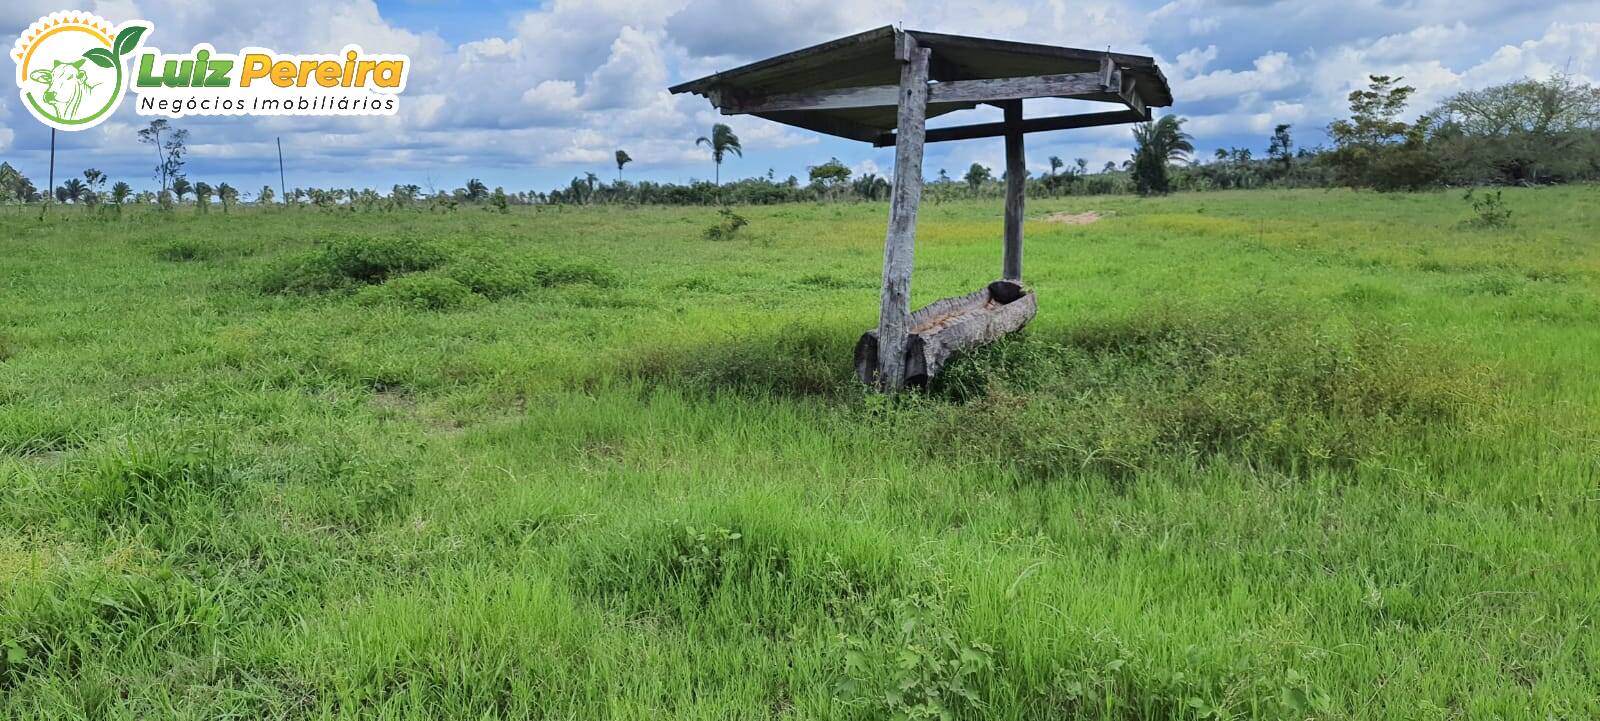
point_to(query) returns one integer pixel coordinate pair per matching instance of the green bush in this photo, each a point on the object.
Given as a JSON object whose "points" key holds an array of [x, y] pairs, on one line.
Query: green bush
{"points": [[347, 262], [492, 277], [308, 272], [372, 260], [421, 291]]}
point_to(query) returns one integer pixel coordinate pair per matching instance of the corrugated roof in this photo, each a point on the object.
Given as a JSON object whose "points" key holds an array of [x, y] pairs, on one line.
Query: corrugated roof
{"points": [[868, 58]]}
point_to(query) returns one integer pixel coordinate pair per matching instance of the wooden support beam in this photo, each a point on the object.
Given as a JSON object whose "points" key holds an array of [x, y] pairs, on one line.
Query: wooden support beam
{"points": [[1130, 96], [1016, 184], [994, 90], [894, 312], [1032, 125]]}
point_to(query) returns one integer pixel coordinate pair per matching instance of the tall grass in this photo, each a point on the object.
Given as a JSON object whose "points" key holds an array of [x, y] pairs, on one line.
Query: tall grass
{"points": [[1261, 455]]}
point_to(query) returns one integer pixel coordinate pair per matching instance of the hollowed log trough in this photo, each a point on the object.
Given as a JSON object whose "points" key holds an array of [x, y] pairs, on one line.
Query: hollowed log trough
{"points": [[949, 326]]}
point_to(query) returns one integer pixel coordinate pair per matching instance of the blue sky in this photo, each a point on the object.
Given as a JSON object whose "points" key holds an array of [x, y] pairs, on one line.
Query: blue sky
{"points": [[527, 95]]}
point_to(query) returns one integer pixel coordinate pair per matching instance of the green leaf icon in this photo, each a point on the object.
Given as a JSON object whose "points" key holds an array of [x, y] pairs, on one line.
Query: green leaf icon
{"points": [[128, 39], [101, 57]]}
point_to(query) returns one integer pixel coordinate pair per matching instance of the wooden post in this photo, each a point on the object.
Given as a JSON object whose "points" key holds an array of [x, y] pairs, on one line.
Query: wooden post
{"points": [[283, 189], [894, 315], [1016, 184], [50, 192]]}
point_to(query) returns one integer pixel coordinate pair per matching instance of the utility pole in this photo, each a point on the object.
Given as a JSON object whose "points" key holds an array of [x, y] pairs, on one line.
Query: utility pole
{"points": [[50, 193], [283, 190]]}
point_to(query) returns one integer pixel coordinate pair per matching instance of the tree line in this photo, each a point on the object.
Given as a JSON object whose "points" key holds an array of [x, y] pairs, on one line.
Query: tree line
{"points": [[1520, 133]]}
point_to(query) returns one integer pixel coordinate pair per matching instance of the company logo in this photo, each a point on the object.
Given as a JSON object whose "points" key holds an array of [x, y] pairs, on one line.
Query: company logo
{"points": [[72, 69]]}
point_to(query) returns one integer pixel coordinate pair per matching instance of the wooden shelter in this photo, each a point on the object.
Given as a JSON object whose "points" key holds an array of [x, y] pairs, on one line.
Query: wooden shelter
{"points": [[881, 86]]}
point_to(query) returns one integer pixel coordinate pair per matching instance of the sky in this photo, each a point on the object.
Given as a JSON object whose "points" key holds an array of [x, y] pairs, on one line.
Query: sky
{"points": [[528, 95]]}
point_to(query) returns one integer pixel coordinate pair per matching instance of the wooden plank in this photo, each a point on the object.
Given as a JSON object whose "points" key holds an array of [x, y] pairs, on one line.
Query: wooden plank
{"points": [[1016, 184], [955, 91], [1031, 125], [826, 124], [894, 311]]}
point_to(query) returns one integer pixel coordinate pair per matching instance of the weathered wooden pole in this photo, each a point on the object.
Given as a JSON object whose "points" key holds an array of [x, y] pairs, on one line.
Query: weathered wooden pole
{"points": [[1016, 185], [894, 315]]}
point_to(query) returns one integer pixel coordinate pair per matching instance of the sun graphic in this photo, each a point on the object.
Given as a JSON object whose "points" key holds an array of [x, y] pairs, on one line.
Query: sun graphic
{"points": [[70, 67]]}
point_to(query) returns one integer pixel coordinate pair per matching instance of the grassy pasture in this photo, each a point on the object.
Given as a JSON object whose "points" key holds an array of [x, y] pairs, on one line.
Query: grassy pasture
{"points": [[1262, 455]]}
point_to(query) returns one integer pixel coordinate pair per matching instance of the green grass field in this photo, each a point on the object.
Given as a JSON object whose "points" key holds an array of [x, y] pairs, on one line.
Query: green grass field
{"points": [[1271, 455]]}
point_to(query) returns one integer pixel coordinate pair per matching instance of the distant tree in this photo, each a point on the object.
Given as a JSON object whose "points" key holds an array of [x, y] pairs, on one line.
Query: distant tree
{"points": [[404, 194], [1055, 164], [120, 193], [871, 187], [721, 142], [72, 190], [1374, 148], [976, 176], [202, 195], [1374, 113], [181, 187], [16, 186], [830, 175], [477, 192], [944, 177], [169, 152], [265, 195], [1110, 167], [1156, 144], [227, 195], [622, 159], [1281, 148], [1557, 104], [1083, 165]]}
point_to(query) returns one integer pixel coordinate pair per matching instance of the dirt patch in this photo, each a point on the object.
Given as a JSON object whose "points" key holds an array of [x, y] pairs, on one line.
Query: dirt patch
{"points": [[1073, 218]]}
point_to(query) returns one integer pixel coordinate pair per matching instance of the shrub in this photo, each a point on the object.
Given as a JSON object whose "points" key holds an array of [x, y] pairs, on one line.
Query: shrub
{"points": [[373, 259], [727, 227], [1491, 210], [421, 291], [351, 261]]}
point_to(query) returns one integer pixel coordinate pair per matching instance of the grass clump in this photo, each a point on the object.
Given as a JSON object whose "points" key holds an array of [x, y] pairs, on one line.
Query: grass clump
{"points": [[353, 261], [1269, 387], [796, 361], [420, 291], [181, 250]]}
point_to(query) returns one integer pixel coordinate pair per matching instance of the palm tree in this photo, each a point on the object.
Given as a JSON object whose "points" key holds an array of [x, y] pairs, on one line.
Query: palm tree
{"points": [[1155, 145], [976, 176], [202, 196], [622, 159], [1055, 165], [120, 192], [181, 187], [74, 190], [227, 194], [721, 142], [476, 190], [1164, 139]]}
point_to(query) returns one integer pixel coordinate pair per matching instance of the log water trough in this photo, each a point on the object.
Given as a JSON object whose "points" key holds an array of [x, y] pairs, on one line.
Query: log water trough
{"points": [[881, 87]]}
